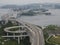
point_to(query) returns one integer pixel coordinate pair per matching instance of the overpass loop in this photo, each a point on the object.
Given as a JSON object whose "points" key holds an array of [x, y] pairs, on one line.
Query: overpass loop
{"points": [[35, 33]]}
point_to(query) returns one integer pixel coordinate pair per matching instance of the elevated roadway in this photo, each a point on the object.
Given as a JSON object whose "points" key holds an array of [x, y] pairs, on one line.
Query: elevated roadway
{"points": [[37, 33]]}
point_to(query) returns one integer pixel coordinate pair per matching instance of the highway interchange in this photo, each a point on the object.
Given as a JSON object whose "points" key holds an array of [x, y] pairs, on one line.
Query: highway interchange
{"points": [[34, 32], [38, 38]]}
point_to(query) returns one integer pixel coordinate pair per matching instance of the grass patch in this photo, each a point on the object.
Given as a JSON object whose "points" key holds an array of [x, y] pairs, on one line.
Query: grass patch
{"points": [[11, 42], [54, 40]]}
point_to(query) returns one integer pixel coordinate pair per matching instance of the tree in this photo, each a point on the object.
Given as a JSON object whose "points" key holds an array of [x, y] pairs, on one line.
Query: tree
{"points": [[51, 28]]}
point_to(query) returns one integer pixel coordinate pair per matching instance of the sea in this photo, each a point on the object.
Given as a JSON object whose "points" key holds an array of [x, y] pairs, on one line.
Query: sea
{"points": [[41, 20]]}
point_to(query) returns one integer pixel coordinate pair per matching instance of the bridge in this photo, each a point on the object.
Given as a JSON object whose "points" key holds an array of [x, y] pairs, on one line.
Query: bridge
{"points": [[34, 32]]}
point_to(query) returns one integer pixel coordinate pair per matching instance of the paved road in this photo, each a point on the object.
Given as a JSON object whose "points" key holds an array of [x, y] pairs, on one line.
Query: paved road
{"points": [[37, 38], [15, 36], [35, 33], [18, 31]]}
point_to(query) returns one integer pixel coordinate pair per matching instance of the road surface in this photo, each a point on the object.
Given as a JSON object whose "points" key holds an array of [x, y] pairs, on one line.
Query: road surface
{"points": [[37, 38]]}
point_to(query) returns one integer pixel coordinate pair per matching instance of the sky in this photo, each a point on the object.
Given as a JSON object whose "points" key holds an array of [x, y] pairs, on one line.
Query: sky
{"points": [[22, 2]]}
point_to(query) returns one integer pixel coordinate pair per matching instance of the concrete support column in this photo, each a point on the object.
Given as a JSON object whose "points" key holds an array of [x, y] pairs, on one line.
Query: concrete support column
{"points": [[21, 37], [22, 28], [7, 34], [18, 40], [14, 35], [21, 33]]}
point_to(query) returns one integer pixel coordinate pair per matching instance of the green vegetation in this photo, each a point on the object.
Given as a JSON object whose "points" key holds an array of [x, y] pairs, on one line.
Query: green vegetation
{"points": [[14, 29], [11, 41], [54, 39], [9, 24], [51, 29], [29, 13], [26, 41], [8, 42]]}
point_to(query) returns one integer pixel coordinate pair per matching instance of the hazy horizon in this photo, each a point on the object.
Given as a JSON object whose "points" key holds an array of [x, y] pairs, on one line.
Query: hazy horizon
{"points": [[23, 2]]}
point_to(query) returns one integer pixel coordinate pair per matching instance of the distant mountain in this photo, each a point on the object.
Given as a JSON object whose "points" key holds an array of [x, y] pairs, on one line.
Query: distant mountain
{"points": [[34, 6], [10, 6], [29, 6], [51, 5]]}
